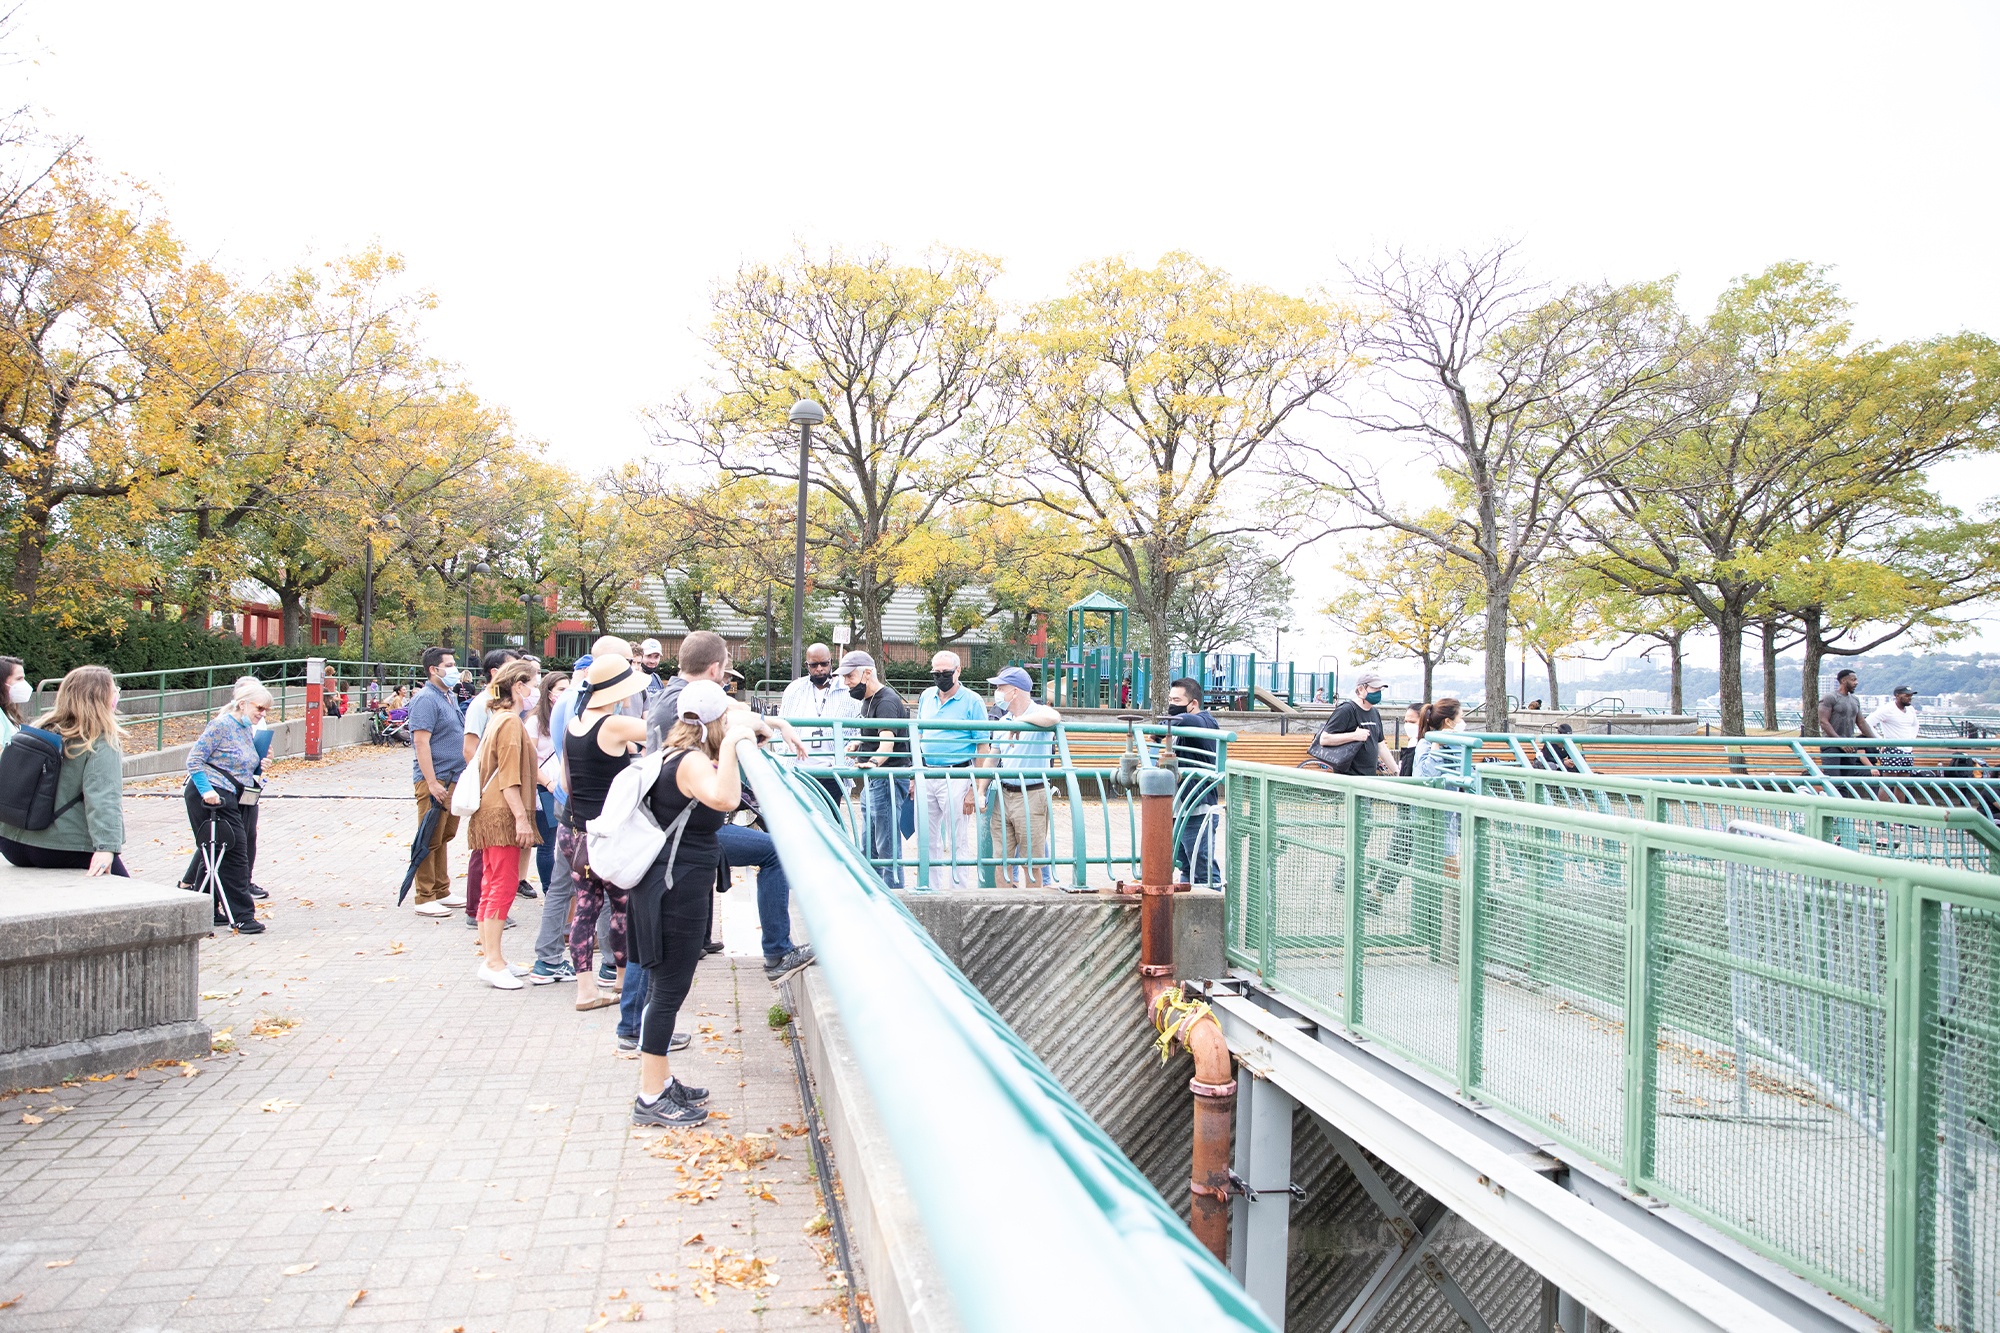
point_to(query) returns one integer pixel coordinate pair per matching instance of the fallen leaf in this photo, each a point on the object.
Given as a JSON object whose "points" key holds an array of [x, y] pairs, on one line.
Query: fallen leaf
{"points": [[666, 1282], [279, 1104], [540, 1107], [28, 1119], [296, 1269], [592, 1328], [13, 1300], [188, 1070], [355, 1299], [617, 1295], [635, 1313], [59, 1263], [619, 1223], [695, 1239], [395, 947], [338, 1208]]}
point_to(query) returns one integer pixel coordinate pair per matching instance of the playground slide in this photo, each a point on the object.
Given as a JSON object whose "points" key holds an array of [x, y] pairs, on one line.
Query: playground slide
{"points": [[1273, 702]]}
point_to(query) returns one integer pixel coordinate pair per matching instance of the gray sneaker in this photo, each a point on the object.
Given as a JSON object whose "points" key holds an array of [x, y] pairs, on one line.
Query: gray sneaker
{"points": [[667, 1113], [777, 969], [685, 1095]]}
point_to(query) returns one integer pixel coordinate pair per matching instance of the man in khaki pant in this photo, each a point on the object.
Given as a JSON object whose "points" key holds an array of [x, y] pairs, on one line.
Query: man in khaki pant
{"points": [[439, 736], [1024, 796]]}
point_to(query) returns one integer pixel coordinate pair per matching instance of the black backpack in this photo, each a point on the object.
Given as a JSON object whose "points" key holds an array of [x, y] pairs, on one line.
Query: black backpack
{"points": [[30, 769]]}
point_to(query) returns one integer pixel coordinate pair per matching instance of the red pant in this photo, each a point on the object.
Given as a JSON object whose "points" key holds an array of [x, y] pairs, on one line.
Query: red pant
{"points": [[500, 879]]}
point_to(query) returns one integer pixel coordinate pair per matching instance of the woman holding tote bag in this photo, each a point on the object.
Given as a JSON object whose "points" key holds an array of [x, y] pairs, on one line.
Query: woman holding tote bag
{"points": [[504, 823]]}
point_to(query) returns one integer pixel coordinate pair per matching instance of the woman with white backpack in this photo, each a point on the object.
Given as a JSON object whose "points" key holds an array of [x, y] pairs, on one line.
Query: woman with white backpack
{"points": [[697, 789], [597, 746]]}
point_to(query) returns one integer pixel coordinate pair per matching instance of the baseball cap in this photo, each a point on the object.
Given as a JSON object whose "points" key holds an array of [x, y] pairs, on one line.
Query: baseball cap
{"points": [[856, 661], [1902, 689], [1014, 676], [702, 701], [1369, 679], [583, 663], [650, 646]]}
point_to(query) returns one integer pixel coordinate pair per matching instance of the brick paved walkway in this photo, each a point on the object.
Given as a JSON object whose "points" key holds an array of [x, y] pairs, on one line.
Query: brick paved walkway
{"points": [[462, 1156]]}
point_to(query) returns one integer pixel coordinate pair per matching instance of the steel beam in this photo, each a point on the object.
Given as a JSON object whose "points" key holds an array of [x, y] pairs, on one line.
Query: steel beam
{"points": [[1628, 1260], [1261, 1216]]}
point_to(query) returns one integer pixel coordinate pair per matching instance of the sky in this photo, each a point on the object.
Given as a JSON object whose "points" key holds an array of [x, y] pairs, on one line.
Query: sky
{"points": [[572, 180]]}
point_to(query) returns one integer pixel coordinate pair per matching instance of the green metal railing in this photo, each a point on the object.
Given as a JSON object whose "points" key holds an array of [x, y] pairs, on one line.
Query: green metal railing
{"points": [[1033, 1215], [157, 698], [1940, 772], [1964, 839], [1090, 834], [1796, 1043]]}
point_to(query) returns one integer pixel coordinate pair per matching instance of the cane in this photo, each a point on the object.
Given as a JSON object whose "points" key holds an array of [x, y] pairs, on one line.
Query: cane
{"points": [[211, 863]]}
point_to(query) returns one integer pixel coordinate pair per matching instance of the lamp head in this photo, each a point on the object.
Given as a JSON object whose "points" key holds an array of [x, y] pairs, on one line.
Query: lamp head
{"points": [[806, 412]]}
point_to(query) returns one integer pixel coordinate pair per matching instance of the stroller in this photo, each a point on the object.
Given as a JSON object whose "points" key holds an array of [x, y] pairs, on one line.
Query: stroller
{"points": [[391, 727]]}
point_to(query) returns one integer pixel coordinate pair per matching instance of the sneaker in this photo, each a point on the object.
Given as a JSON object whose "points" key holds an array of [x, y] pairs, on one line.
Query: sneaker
{"points": [[518, 970], [607, 977], [259, 891], [627, 1045], [547, 974], [685, 1095], [454, 900], [250, 927], [525, 890], [777, 969], [499, 978], [711, 947], [667, 1114], [680, 1041], [434, 908], [471, 921]]}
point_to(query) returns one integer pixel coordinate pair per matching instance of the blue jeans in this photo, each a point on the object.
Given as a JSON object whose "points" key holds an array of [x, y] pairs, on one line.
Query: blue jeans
{"points": [[632, 1000], [887, 801], [752, 847], [1195, 853], [545, 824]]}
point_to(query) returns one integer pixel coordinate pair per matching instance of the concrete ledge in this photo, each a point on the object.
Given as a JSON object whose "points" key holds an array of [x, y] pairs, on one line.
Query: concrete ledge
{"points": [[96, 975], [288, 739], [887, 1234]]}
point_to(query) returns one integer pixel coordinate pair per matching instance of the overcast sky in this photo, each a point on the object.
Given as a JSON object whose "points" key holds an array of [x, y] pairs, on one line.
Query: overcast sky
{"points": [[572, 179]]}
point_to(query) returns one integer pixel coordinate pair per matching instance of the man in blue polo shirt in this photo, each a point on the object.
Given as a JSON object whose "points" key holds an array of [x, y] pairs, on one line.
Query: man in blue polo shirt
{"points": [[439, 742], [949, 800]]}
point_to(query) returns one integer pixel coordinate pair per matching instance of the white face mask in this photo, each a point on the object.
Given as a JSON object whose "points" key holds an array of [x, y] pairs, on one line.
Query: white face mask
{"points": [[534, 697], [20, 691]]}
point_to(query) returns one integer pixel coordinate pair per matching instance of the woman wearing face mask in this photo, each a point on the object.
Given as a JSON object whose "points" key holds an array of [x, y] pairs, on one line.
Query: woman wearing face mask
{"points": [[548, 770], [89, 829], [1438, 759], [15, 694], [669, 911], [225, 779], [503, 824]]}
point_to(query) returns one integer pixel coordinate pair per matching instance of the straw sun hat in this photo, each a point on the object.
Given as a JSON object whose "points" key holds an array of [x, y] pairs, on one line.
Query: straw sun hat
{"points": [[610, 679]]}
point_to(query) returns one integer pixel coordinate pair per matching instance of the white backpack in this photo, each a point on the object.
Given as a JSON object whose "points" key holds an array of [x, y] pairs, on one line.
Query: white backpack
{"points": [[625, 839]]}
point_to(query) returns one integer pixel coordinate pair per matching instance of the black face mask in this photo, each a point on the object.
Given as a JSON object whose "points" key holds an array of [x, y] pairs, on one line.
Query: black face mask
{"points": [[1175, 710], [944, 679], [648, 668], [857, 691]]}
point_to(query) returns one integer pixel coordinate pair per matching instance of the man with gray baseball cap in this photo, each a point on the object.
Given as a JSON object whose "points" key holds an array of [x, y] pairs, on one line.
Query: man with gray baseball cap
{"points": [[1356, 722], [885, 748]]}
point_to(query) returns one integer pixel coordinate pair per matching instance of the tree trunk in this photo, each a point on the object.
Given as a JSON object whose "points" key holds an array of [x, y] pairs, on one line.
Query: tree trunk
{"points": [[1770, 631], [1729, 626], [1496, 656], [1809, 682], [1676, 675], [291, 617], [1429, 666], [30, 543], [1156, 630], [871, 617], [1555, 690]]}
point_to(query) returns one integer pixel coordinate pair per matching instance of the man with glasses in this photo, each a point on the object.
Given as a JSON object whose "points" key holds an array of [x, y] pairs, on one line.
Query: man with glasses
{"points": [[816, 695]]}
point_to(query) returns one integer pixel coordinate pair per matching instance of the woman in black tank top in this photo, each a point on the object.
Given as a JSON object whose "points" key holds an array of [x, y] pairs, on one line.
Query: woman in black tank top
{"points": [[597, 746], [699, 780]]}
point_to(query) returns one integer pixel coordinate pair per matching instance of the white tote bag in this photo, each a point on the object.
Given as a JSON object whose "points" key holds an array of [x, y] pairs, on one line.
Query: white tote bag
{"points": [[465, 796]]}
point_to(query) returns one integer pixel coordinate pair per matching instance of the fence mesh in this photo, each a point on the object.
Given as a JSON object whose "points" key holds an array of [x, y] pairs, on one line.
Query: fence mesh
{"points": [[1764, 1093]]}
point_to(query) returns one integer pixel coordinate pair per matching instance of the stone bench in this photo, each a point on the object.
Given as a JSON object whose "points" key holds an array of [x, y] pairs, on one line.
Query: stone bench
{"points": [[96, 975]]}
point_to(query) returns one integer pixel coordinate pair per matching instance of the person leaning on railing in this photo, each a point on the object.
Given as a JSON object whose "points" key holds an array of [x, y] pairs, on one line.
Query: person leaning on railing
{"points": [[89, 830], [880, 747], [1024, 800], [1194, 851], [949, 801], [816, 695]]}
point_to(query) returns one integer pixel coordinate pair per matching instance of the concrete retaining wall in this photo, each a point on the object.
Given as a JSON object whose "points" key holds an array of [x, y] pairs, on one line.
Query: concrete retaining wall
{"points": [[288, 738], [96, 975]]}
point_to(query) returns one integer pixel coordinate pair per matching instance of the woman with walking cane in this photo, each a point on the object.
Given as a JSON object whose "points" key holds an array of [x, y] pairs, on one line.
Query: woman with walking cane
{"points": [[225, 779]]}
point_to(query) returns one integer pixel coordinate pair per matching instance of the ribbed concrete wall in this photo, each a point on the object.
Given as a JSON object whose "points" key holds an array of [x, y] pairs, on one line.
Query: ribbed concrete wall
{"points": [[96, 975], [1062, 970]]}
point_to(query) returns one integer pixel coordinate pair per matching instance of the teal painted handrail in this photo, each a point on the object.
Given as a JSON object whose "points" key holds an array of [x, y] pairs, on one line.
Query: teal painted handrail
{"points": [[1033, 1214], [1798, 1044]]}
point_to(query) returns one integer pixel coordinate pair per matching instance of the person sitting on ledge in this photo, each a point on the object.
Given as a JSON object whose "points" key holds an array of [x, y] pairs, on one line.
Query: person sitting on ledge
{"points": [[89, 828]]}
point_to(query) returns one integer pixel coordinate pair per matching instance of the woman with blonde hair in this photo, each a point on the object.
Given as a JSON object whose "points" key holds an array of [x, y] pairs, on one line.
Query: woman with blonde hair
{"points": [[225, 779], [504, 823], [596, 746], [699, 787], [89, 828]]}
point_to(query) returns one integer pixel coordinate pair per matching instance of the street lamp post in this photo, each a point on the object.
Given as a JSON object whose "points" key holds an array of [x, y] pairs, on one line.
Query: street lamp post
{"points": [[805, 415], [478, 567]]}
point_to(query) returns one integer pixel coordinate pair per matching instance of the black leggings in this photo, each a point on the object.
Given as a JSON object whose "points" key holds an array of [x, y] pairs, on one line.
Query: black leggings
{"points": [[234, 841], [683, 931], [30, 857]]}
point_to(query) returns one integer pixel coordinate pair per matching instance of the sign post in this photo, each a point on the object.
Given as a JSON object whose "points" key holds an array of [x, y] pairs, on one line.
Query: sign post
{"points": [[315, 703]]}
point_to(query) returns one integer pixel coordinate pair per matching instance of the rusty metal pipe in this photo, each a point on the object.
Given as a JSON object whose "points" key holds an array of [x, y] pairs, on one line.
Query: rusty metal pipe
{"points": [[1214, 1082]]}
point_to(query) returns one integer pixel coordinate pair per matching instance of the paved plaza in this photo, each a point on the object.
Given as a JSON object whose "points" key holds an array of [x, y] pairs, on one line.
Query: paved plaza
{"points": [[391, 1144]]}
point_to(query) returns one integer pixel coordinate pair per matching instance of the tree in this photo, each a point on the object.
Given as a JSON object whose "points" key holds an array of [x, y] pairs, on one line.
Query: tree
{"points": [[1665, 620], [1775, 428], [1145, 397], [902, 356], [597, 552], [1559, 610], [1237, 595], [1506, 393], [1407, 598]]}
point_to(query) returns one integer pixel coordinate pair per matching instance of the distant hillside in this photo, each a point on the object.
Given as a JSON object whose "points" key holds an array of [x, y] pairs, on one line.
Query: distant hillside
{"points": [[1926, 673]]}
